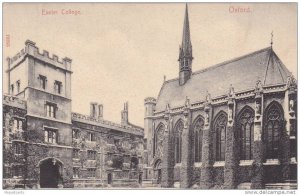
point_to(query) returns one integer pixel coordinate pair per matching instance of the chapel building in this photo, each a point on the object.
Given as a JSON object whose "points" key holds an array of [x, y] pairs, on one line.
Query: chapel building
{"points": [[232, 125]]}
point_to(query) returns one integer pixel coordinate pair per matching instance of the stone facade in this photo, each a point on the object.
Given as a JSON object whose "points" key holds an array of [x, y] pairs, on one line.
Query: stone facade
{"points": [[42, 134], [231, 172]]}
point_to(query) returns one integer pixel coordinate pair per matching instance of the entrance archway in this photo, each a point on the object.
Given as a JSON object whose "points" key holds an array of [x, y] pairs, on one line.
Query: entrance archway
{"points": [[50, 173], [157, 171]]}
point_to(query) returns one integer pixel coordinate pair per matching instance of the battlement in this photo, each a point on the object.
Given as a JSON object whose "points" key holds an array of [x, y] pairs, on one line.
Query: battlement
{"points": [[32, 50], [108, 124], [14, 101], [16, 57], [150, 100]]}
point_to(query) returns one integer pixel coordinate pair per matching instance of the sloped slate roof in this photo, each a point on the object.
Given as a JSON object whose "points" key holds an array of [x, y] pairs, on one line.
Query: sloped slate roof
{"points": [[242, 73]]}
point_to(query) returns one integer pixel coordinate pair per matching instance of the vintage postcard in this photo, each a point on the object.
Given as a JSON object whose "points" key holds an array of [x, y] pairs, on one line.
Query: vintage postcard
{"points": [[196, 96]]}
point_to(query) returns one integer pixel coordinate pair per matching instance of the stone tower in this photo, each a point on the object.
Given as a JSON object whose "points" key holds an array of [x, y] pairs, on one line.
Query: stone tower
{"points": [[45, 83], [150, 104]]}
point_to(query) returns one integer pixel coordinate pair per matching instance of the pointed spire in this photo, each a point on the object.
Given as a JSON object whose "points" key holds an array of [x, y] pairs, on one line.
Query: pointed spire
{"points": [[185, 51], [186, 39]]}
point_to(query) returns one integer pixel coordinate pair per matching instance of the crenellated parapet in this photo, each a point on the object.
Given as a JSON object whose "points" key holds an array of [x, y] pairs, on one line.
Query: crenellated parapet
{"points": [[16, 57], [14, 101], [105, 123], [32, 50]]}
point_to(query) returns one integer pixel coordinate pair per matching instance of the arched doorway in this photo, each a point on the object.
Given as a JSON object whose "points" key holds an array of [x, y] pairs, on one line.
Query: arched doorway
{"points": [[50, 173], [157, 171]]}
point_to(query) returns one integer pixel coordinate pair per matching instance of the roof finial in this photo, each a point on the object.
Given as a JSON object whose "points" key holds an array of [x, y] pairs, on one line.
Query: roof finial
{"points": [[272, 38]]}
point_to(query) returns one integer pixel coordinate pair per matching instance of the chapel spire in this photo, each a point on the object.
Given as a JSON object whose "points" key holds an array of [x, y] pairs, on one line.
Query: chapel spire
{"points": [[185, 51]]}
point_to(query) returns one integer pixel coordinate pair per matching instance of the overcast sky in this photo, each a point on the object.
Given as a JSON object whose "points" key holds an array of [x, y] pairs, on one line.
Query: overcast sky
{"points": [[120, 52]]}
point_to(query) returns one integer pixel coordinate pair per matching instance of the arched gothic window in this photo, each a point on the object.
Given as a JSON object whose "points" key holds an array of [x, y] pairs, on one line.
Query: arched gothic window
{"points": [[198, 129], [273, 129], [246, 133], [158, 140], [220, 130], [178, 141]]}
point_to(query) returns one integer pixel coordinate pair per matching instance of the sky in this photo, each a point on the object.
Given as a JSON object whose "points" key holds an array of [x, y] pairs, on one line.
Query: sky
{"points": [[121, 52]]}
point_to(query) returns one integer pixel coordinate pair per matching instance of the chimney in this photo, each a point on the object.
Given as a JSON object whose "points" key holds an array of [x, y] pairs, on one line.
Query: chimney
{"points": [[93, 110], [124, 115], [100, 111]]}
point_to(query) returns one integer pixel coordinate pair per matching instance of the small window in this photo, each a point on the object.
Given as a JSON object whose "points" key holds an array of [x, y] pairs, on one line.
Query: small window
{"points": [[91, 155], [7, 172], [50, 136], [76, 153], [57, 87], [43, 81], [75, 172], [51, 110], [12, 89], [18, 148], [75, 134], [18, 125], [18, 86], [91, 172], [18, 171], [92, 137]]}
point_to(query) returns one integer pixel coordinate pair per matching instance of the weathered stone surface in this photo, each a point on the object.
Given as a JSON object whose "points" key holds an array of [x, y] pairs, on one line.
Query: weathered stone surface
{"points": [[206, 179], [187, 160], [257, 179], [167, 162], [284, 156], [230, 160]]}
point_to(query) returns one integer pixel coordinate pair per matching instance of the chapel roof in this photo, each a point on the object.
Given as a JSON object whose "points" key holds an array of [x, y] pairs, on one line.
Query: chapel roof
{"points": [[242, 73]]}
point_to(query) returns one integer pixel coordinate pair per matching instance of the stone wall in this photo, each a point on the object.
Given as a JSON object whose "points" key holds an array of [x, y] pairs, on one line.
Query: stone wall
{"points": [[232, 172]]}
